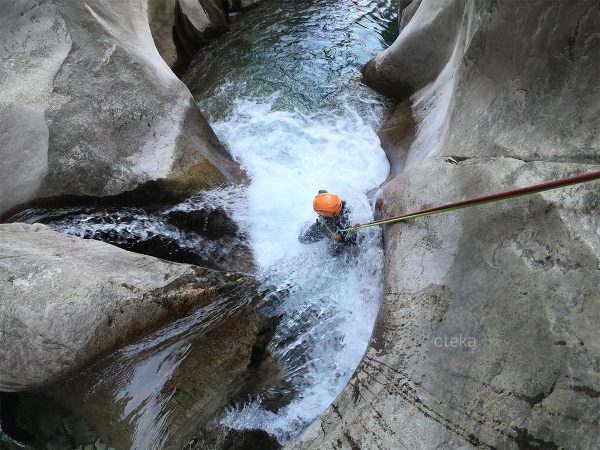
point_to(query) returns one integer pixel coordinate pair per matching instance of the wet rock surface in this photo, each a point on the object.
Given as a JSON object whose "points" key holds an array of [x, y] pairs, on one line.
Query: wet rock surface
{"points": [[79, 300], [206, 236], [99, 110], [217, 365], [213, 224], [484, 338], [181, 27], [239, 5], [225, 438], [60, 294]]}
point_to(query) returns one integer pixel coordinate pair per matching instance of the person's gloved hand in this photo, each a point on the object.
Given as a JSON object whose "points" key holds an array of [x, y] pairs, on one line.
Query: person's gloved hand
{"points": [[336, 236]]}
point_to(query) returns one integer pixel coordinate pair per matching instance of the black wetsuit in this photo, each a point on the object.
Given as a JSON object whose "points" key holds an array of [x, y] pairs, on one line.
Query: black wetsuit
{"points": [[323, 228]]}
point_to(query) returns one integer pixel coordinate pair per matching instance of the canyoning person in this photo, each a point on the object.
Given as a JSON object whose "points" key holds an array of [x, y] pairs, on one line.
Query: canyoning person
{"points": [[333, 216]]}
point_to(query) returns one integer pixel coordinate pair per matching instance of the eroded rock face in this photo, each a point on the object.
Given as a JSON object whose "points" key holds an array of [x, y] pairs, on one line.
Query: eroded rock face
{"points": [[484, 338], [22, 172], [89, 107], [420, 52], [198, 370], [181, 27], [65, 301], [407, 9]]}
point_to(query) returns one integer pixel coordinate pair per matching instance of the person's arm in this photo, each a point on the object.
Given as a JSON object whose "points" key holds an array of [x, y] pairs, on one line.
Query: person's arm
{"points": [[348, 237], [313, 233]]}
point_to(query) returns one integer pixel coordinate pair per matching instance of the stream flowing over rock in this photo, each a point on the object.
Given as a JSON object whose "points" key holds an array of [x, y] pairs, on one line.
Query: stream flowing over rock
{"points": [[487, 336], [90, 108], [130, 349], [66, 301]]}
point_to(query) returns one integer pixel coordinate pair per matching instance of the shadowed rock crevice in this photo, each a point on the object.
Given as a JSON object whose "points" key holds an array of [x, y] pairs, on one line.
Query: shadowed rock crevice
{"points": [[194, 26], [39, 421], [206, 237], [220, 437], [153, 220], [181, 27]]}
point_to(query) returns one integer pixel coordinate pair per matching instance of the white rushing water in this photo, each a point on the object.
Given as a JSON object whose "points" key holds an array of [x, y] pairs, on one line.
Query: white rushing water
{"points": [[330, 303], [283, 92]]}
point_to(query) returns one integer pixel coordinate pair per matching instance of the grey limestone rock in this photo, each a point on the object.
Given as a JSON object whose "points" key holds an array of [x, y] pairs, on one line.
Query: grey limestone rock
{"points": [[485, 337], [89, 107], [65, 301], [181, 27]]}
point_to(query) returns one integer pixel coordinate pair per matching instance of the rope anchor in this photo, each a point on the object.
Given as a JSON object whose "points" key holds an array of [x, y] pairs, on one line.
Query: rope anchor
{"points": [[527, 190]]}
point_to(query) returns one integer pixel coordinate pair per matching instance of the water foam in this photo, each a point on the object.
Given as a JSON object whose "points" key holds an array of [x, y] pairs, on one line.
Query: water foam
{"points": [[290, 156], [330, 303]]}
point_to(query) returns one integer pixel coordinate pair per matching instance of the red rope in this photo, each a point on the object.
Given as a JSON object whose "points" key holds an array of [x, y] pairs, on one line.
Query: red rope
{"points": [[506, 194]]}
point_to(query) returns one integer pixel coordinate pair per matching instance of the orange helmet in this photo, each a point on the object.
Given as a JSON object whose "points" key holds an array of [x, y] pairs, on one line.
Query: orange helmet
{"points": [[326, 204]]}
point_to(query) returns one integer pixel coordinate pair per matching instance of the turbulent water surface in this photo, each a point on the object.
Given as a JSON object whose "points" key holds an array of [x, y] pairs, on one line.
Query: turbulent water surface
{"points": [[283, 91]]}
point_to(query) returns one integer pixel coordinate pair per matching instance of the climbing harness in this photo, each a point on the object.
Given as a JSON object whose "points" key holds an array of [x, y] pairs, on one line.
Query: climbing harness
{"points": [[527, 190]]}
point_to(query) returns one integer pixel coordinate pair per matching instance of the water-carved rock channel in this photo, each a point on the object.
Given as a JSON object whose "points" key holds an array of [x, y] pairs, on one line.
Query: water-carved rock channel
{"points": [[282, 90]]}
